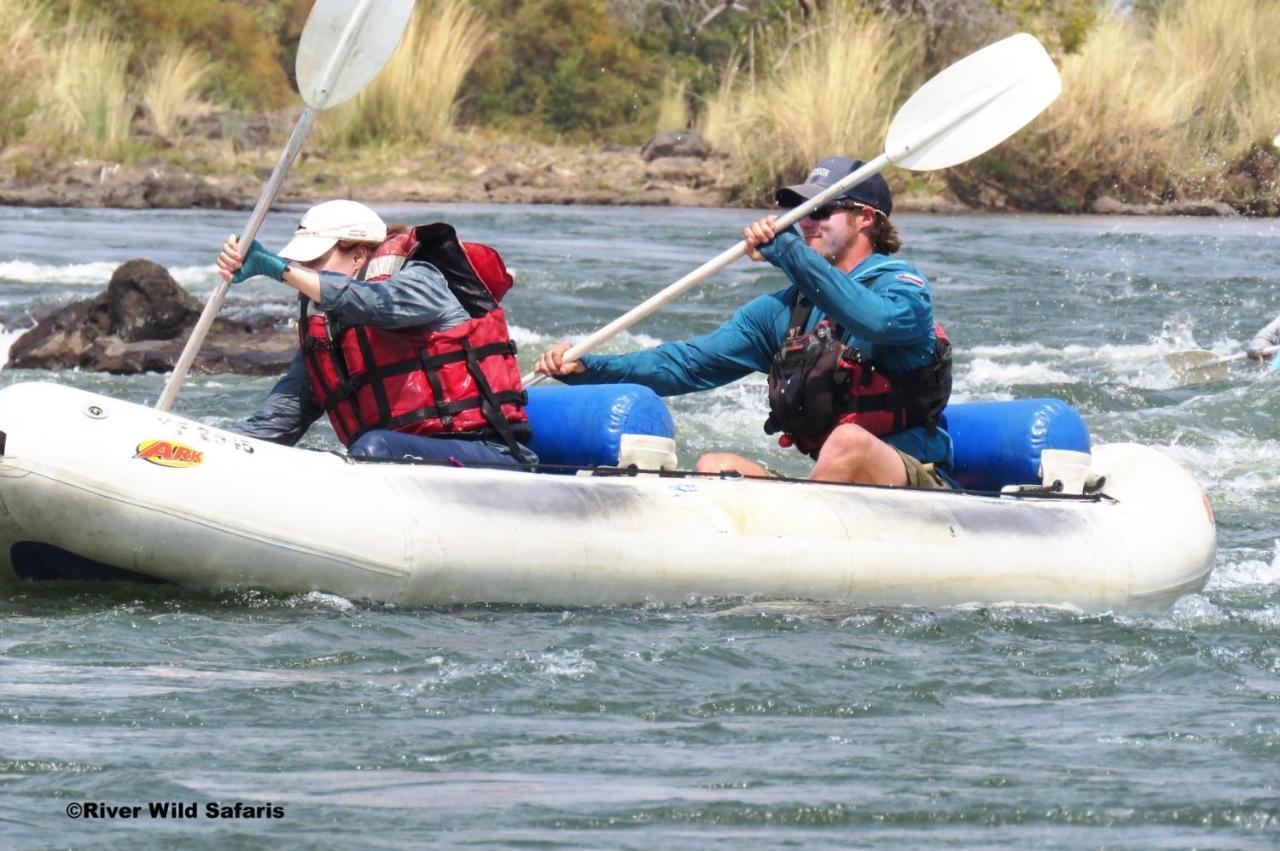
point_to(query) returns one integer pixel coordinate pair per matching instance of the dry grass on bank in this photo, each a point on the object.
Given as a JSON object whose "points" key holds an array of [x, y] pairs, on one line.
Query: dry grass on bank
{"points": [[84, 100], [171, 89], [1105, 126], [1146, 114], [1185, 108], [23, 59], [1149, 116], [834, 90], [66, 90], [673, 105], [412, 100], [1219, 61]]}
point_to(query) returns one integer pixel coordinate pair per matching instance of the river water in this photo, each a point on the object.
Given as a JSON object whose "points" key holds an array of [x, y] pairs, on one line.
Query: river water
{"points": [[720, 723]]}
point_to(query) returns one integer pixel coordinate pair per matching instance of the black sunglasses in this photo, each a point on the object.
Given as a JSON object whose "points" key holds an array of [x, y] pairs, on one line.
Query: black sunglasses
{"points": [[827, 211]]}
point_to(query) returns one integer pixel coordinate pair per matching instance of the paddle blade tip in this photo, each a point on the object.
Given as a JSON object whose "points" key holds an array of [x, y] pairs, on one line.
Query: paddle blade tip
{"points": [[974, 104], [344, 44]]}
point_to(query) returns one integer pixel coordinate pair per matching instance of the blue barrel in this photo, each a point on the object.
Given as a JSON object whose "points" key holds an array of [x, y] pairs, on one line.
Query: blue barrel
{"points": [[583, 425], [999, 443]]}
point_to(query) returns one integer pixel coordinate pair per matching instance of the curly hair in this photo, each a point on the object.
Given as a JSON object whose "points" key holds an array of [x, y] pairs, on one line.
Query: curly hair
{"points": [[884, 236]]}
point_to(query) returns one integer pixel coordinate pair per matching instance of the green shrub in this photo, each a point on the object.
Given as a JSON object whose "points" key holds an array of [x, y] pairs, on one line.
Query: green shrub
{"points": [[1059, 23], [561, 67]]}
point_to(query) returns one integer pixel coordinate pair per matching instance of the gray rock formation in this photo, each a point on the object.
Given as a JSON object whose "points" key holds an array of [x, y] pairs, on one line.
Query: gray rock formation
{"points": [[140, 324], [156, 185], [675, 143], [1106, 205]]}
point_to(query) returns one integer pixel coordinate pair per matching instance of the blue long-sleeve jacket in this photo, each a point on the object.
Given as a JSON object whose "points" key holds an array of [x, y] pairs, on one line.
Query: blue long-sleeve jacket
{"points": [[415, 296], [883, 305]]}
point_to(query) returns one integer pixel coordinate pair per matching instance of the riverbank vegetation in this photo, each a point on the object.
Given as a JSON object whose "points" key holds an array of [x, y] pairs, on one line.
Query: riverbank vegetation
{"points": [[1163, 99]]}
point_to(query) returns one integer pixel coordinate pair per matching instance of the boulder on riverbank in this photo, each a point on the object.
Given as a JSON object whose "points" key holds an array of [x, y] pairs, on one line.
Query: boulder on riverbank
{"points": [[140, 324], [92, 183], [686, 144]]}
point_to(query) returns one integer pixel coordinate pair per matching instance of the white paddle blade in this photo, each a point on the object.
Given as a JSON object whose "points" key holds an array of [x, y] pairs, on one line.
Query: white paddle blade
{"points": [[1199, 366], [973, 105], [344, 45], [1193, 359]]}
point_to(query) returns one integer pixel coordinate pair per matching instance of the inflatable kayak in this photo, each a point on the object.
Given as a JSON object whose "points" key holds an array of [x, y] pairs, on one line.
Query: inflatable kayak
{"points": [[97, 488]]}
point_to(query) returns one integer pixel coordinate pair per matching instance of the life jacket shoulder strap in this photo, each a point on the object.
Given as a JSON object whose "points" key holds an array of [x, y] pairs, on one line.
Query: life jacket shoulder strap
{"points": [[475, 273]]}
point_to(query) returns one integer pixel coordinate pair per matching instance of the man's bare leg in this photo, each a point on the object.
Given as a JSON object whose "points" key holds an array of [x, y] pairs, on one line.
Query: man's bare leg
{"points": [[853, 454], [726, 462]]}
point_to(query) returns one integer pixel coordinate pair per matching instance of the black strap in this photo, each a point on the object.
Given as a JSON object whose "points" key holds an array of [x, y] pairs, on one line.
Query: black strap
{"points": [[449, 409], [491, 406], [379, 391], [801, 310], [428, 364], [503, 348], [437, 389]]}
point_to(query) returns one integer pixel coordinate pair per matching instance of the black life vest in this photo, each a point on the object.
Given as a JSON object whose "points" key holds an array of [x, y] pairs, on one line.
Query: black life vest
{"points": [[816, 383], [463, 382]]}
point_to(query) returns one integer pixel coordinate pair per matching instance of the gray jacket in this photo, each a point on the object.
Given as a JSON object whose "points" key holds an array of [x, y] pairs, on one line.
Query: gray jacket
{"points": [[416, 296]]}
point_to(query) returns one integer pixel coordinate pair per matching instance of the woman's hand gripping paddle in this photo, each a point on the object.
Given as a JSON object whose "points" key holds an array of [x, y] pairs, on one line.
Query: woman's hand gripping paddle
{"points": [[344, 45]]}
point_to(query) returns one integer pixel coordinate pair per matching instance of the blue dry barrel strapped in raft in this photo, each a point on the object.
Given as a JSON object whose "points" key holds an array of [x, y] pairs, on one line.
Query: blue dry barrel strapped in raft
{"points": [[999, 443], [583, 425], [996, 443]]}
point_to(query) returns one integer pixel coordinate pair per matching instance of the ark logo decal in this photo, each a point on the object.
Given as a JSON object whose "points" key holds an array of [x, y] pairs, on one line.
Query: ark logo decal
{"points": [[166, 453]]}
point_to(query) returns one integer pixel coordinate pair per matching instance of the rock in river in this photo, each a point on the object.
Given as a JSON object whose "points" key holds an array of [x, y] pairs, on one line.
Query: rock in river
{"points": [[140, 324]]}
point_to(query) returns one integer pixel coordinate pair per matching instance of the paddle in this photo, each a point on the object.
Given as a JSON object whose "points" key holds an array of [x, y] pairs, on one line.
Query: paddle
{"points": [[1202, 365], [343, 47], [966, 109]]}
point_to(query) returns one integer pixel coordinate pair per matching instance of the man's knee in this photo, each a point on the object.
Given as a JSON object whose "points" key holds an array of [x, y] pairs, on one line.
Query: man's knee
{"points": [[715, 462], [849, 441]]}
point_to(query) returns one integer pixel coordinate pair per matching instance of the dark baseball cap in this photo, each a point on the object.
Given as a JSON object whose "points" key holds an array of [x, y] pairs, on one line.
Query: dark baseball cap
{"points": [[874, 191]]}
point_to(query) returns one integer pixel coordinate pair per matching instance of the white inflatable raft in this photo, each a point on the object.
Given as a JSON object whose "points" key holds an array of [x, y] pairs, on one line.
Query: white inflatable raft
{"points": [[93, 487]]}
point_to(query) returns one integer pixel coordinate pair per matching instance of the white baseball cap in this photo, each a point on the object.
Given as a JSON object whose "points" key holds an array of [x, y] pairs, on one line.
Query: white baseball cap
{"points": [[327, 224]]}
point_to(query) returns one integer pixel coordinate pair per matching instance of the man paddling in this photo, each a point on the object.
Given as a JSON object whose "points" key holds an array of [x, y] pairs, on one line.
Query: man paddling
{"points": [[858, 371], [402, 341], [1264, 343]]}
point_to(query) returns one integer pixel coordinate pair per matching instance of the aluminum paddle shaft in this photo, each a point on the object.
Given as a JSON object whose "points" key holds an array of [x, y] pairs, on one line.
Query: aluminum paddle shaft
{"points": [[343, 46]]}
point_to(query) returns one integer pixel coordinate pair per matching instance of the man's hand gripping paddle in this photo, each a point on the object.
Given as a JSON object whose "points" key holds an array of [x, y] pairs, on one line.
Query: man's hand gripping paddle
{"points": [[966, 109]]}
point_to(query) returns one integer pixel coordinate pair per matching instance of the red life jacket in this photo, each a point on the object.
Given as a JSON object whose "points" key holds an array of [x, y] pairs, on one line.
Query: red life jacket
{"points": [[463, 382], [816, 383]]}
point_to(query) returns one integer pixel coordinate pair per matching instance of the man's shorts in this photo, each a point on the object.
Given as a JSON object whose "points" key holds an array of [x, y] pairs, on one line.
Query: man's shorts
{"points": [[921, 475]]}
